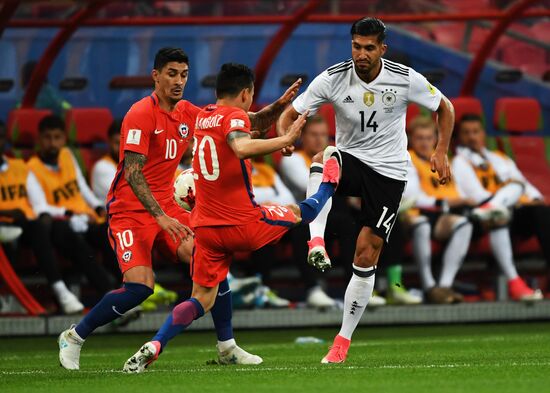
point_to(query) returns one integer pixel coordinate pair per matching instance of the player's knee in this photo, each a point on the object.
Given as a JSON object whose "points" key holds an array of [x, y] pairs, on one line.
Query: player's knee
{"points": [[368, 254], [318, 158], [296, 210], [140, 275], [185, 249], [205, 296]]}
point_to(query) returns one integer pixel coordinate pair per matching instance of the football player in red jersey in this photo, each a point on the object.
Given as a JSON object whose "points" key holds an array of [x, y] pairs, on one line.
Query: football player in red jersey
{"points": [[142, 211], [226, 217]]}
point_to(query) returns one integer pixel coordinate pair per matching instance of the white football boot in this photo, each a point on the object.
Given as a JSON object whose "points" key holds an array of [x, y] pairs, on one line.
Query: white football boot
{"points": [[237, 355], [70, 345]]}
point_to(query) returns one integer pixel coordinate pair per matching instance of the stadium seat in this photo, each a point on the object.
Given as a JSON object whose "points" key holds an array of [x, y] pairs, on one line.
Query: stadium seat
{"points": [[518, 53], [87, 157], [523, 115], [327, 111], [541, 30], [449, 34], [466, 105], [23, 125], [517, 114], [88, 125]]}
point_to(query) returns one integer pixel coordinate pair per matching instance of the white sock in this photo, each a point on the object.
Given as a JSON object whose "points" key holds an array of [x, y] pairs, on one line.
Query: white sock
{"points": [[455, 252], [225, 345], [357, 297], [317, 226], [422, 251], [501, 246], [508, 195], [60, 289]]}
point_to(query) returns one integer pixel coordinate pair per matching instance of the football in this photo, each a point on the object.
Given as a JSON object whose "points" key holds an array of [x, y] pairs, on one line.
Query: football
{"points": [[184, 189]]}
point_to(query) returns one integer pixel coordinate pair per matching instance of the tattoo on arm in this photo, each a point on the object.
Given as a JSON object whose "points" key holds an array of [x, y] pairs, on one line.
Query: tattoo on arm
{"points": [[266, 117], [133, 166], [237, 134]]}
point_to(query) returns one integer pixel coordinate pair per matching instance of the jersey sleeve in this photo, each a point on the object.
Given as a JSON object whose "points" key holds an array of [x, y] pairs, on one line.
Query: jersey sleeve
{"points": [[423, 92], [316, 94], [236, 121], [136, 131]]}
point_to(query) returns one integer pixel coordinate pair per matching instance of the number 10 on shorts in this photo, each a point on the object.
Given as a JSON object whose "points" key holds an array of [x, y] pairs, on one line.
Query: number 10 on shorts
{"points": [[125, 239], [382, 221]]}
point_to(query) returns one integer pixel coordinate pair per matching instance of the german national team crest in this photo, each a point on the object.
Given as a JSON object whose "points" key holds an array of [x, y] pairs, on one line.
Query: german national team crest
{"points": [[368, 98], [184, 130], [389, 97]]}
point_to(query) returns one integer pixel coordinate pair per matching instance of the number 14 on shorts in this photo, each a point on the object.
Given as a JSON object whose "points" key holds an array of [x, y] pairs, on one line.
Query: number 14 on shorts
{"points": [[385, 222]]}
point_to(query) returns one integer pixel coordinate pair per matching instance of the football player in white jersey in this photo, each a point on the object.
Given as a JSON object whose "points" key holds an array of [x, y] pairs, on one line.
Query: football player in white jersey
{"points": [[370, 96]]}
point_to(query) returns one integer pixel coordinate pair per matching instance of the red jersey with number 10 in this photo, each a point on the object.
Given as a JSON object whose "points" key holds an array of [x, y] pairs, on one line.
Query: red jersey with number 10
{"points": [[162, 137], [222, 180]]}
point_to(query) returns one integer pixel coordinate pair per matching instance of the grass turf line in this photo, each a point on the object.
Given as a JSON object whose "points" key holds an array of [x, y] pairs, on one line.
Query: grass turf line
{"points": [[469, 358]]}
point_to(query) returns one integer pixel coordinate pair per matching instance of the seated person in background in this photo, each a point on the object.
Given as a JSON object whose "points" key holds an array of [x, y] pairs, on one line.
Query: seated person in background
{"points": [[61, 198], [294, 170], [104, 169], [16, 211], [432, 217], [268, 189], [491, 179], [48, 97]]}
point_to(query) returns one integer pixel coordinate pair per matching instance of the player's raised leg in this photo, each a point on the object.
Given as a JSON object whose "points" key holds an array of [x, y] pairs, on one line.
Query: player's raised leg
{"points": [[317, 254], [358, 292]]}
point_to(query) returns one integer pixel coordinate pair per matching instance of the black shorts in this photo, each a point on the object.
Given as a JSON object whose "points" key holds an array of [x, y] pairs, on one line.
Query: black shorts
{"points": [[380, 195]]}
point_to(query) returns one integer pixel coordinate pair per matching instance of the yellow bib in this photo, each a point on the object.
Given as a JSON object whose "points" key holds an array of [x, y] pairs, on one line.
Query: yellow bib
{"points": [[263, 175], [488, 177], [13, 187], [429, 181], [61, 187], [306, 158]]}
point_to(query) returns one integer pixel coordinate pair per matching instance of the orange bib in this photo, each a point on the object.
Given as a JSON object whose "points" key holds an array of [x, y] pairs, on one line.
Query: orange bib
{"points": [[13, 188], [61, 186]]}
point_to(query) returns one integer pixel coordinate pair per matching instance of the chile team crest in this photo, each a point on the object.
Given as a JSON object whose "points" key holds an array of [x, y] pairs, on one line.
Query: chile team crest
{"points": [[184, 130]]}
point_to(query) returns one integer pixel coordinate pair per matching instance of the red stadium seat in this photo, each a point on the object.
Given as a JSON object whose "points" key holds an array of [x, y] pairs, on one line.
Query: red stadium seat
{"points": [[23, 125], [466, 105], [88, 125], [518, 54], [449, 34], [520, 114], [541, 30], [327, 111], [87, 157]]}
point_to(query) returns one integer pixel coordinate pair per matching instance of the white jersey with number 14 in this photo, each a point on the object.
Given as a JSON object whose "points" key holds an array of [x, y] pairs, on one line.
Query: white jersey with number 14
{"points": [[370, 117]]}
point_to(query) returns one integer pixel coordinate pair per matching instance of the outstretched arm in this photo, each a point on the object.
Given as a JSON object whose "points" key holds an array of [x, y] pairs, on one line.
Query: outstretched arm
{"points": [[263, 119], [245, 147], [445, 123], [133, 173]]}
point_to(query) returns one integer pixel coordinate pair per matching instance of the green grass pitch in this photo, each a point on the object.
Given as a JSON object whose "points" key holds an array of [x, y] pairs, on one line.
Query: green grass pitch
{"points": [[459, 358]]}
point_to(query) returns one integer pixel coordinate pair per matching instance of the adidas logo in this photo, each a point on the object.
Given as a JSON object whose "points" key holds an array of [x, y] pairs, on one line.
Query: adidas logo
{"points": [[354, 307], [348, 100]]}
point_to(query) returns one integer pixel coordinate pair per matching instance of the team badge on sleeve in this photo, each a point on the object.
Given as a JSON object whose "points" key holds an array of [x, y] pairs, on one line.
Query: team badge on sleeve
{"points": [[237, 123], [184, 130], [134, 137], [431, 89]]}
